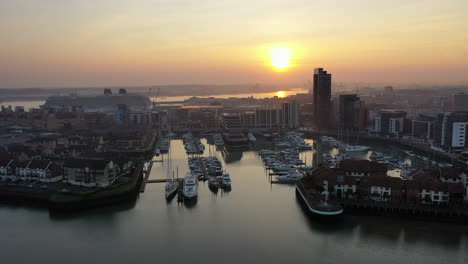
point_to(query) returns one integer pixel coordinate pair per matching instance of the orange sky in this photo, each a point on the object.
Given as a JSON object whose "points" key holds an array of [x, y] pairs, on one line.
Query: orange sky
{"points": [[122, 42]]}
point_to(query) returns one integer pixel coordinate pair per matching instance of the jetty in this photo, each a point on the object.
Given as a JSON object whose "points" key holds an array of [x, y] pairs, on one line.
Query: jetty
{"points": [[146, 174]]}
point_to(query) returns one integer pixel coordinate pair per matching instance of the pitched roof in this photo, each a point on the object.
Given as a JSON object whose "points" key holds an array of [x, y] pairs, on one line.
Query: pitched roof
{"points": [[425, 179], [39, 164], [86, 163], [361, 166], [4, 162], [319, 175], [448, 173], [386, 181]]}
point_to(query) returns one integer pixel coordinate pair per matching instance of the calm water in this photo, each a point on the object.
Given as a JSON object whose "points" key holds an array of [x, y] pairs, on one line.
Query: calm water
{"points": [[256, 222], [37, 103]]}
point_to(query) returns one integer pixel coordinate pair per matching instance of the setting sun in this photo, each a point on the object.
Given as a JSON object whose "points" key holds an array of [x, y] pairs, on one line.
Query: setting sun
{"points": [[281, 94], [280, 57]]}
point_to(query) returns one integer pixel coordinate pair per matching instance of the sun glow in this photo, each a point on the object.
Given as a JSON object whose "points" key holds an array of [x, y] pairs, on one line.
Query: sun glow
{"points": [[280, 57], [281, 94]]}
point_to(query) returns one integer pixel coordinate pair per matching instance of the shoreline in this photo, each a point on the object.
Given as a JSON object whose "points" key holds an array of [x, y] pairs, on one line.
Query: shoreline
{"points": [[7, 99], [73, 202]]}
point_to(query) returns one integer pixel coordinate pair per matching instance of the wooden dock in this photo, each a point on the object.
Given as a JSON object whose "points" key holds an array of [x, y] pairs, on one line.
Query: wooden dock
{"points": [[161, 180]]}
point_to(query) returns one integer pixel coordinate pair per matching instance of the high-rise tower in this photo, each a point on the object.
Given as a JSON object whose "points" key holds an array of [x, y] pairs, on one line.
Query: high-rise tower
{"points": [[322, 98]]}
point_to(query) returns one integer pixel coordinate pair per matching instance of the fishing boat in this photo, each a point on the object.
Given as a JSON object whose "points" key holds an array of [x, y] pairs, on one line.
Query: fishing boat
{"points": [[190, 186], [213, 182]]}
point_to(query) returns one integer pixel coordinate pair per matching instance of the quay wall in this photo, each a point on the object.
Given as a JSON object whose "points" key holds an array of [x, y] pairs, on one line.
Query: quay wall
{"points": [[45, 198]]}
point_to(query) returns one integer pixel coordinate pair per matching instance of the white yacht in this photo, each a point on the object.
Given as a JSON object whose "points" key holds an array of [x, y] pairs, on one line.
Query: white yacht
{"points": [[251, 137], [356, 148], [291, 177], [283, 167], [190, 186]]}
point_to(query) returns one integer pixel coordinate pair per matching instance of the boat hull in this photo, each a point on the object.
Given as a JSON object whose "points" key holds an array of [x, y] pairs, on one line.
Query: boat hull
{"points": [[190, 195], [170, 194]]}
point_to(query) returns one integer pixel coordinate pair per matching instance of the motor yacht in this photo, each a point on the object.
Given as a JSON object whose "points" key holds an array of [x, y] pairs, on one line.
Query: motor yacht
{"points": [[190, 186]]}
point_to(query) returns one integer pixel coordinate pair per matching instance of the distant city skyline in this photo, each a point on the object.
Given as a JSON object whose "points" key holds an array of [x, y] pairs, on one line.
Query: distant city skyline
{"points": [[125, 43]]}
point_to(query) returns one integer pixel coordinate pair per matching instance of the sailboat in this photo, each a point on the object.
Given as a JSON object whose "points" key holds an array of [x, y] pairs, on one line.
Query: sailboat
{"points": [[172, 186]]}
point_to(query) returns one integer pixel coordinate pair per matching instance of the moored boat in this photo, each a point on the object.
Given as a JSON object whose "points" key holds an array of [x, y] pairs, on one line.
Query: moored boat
{"points": [[291, 177], [226, 181], [190, 186], [356, 148], [171, 188], [213, 182], [251, 137]]}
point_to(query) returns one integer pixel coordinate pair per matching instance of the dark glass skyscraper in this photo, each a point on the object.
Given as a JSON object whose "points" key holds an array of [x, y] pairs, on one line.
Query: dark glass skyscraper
{"points": [[322, 98], [350, 111]]}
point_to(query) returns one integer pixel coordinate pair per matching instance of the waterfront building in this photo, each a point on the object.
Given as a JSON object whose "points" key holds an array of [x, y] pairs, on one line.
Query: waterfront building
{"points": [[248, 120], [389, 123], [451, 130], [269, 118], [361, 168], [6, 167], [425, 188], [460, 102], [322, 98], [195, 116], [38, 170], [422, 129], [107, 103], [352, 113], [422, 186], [381, 188], [341, 183], [125, 116], [89, 173], [290, 115], [232, 129]]}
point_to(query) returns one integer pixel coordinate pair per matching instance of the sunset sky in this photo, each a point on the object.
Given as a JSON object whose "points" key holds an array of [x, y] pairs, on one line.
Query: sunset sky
{"points": [[56, 43]]}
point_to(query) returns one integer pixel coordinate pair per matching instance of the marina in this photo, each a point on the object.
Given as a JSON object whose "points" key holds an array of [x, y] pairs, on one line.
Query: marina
{"points": [[274, 214]]}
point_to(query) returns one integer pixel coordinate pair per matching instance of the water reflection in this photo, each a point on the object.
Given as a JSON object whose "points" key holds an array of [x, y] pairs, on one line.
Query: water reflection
{"points": [[257, 222], [393, 230]]}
